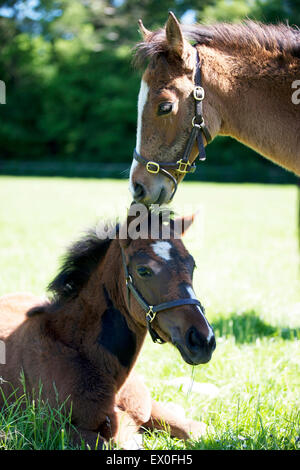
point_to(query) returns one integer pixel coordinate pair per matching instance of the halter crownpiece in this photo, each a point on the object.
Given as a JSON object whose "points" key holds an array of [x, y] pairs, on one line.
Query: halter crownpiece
{"points": [[152, 310], [183, 166]]}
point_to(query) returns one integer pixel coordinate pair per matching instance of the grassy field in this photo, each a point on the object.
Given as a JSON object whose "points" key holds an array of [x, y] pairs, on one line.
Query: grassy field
{"points": [[244, 242]]}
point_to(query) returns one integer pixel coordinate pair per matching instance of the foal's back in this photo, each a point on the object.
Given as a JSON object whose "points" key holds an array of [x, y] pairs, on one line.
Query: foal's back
{"points": [[13, 332], [13, 308]]}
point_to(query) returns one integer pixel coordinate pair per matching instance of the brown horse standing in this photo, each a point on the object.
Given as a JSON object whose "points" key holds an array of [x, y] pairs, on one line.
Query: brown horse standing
{"points": [[87, 338], [249, 73]]}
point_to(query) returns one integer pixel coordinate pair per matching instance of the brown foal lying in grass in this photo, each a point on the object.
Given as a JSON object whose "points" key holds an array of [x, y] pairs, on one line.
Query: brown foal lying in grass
{"points": [[87, 338]]}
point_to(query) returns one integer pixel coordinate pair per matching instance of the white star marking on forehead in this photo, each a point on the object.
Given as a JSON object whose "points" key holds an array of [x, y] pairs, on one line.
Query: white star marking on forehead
{"points": [[162, 249]]}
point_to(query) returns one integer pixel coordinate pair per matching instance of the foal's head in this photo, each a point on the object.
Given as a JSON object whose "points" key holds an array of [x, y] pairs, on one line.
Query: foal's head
{"points": [[161, 272], [165, 109], [158, 292]]}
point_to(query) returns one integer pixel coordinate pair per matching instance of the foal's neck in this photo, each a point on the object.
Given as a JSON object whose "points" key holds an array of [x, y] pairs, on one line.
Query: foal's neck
{"points": [[97, 322], [253, 99]]}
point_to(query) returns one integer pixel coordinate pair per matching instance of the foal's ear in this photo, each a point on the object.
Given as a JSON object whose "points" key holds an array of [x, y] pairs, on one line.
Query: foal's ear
{"points": [[136, 224], [174, 35], [182, 224], [144, 31]]}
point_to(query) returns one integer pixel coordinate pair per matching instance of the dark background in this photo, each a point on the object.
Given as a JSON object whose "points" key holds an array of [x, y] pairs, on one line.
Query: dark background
{"points": [[71, 89]]}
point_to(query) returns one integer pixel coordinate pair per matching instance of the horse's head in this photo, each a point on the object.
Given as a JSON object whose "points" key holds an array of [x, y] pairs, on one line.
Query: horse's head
{"points": [[160, 293], [166, 107]]}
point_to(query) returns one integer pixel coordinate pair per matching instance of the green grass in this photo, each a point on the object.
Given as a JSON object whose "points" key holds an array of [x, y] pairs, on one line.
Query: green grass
{"points": [[245, 246]]}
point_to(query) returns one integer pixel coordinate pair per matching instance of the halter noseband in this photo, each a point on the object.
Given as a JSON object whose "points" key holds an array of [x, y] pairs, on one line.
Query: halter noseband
{"points": [[183, 165], [152, 310]]}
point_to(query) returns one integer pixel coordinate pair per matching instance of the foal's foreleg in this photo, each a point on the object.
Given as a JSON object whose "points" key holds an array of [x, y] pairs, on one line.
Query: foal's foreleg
{"points": [[117, 429], [127, 436], [164, 419], [134, 398]]}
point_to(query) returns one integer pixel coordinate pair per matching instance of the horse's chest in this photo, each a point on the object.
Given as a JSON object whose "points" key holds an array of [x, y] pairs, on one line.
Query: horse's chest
{"points": [[116, 337]]}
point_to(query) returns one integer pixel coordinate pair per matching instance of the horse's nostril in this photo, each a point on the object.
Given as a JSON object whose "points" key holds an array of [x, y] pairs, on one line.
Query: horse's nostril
{"points": [[197, 342], [139, 192], [194, 340], [212, 343]]}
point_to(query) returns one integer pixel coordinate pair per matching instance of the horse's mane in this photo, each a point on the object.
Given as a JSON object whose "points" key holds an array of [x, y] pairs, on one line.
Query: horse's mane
{"points": [[250, 36], [82, 258], [79, 262]]}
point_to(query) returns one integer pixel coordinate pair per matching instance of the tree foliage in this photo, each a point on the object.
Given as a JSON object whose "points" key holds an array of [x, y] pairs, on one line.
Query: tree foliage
{"points": [[71, 88]]}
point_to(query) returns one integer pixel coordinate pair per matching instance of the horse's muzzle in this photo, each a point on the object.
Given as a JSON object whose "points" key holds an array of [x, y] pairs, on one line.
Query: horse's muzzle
{"points": [[195, 348], [155, 194]]}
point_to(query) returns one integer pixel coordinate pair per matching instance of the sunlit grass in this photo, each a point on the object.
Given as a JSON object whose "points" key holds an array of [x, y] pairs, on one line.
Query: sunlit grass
{"points": [[247, 277]]}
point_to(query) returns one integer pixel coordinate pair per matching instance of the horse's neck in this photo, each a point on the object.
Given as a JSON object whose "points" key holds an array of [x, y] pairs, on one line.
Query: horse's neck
{"points": [[91, 322], [254, 103]]}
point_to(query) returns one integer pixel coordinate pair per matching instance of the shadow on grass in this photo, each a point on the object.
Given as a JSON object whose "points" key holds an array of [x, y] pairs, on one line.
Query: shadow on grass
{"points": [[247, 327]]}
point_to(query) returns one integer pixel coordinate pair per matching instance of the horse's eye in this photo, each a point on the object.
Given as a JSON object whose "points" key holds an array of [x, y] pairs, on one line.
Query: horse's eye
{"points": [[164, 108], [144, 271]]}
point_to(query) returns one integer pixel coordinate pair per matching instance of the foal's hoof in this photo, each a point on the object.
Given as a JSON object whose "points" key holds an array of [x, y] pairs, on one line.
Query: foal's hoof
{"points": [[197, 429]]}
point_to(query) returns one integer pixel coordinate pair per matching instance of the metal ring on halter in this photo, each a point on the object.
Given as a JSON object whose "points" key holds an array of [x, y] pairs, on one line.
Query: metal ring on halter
{"points": [[153, 167], [200, 125], [151, 310], [201, 95], [150, 315], [183, 165]]}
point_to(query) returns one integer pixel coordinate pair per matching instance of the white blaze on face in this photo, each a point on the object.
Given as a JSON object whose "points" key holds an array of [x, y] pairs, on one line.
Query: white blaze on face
{"points": [[193, 296], [142, 99], [162, 249]]}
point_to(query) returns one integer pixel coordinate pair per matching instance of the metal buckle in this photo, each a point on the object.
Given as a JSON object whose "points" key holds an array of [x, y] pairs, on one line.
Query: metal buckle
{"points": [[150, 315], [197, 125], [183, 167], [198, 93], [154, 170]]}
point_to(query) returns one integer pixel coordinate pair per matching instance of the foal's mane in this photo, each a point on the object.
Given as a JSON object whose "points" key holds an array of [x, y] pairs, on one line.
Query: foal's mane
{"points": [[251, 37], [81, 259], [79, 262]]}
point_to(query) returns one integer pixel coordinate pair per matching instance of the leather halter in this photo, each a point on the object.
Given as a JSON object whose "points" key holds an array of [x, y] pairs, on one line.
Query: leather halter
{"points": [[183, 165], [151, 310]]}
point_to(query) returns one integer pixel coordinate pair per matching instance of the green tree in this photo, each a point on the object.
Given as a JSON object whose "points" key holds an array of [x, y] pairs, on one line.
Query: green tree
{"points": [[71, 89]]}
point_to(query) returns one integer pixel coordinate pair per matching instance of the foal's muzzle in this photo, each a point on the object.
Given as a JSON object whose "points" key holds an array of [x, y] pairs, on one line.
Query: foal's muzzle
{"points": [[195, 348], [199, 347]]}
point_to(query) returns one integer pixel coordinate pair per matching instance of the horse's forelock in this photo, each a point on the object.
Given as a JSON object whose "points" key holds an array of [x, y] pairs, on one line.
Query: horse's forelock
{"points": [[155, 45]]}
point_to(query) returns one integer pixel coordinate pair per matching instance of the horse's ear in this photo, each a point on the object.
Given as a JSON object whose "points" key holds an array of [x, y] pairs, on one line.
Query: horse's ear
{"points": [[182, 224], [174, 35], [144, 31], [136, 224]]}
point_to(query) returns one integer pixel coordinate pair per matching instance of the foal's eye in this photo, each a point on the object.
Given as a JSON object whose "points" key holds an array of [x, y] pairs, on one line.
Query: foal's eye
{"points": [[164, 108], [144, 271]]}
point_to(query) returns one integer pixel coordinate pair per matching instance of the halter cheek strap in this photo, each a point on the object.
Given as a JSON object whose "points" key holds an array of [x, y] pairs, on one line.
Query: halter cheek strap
{"points": [[183, 166], [151, 310]]}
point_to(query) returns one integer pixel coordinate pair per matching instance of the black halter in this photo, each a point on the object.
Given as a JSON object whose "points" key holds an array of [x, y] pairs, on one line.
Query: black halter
{"points": [[183, 165], [152, 310]]}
